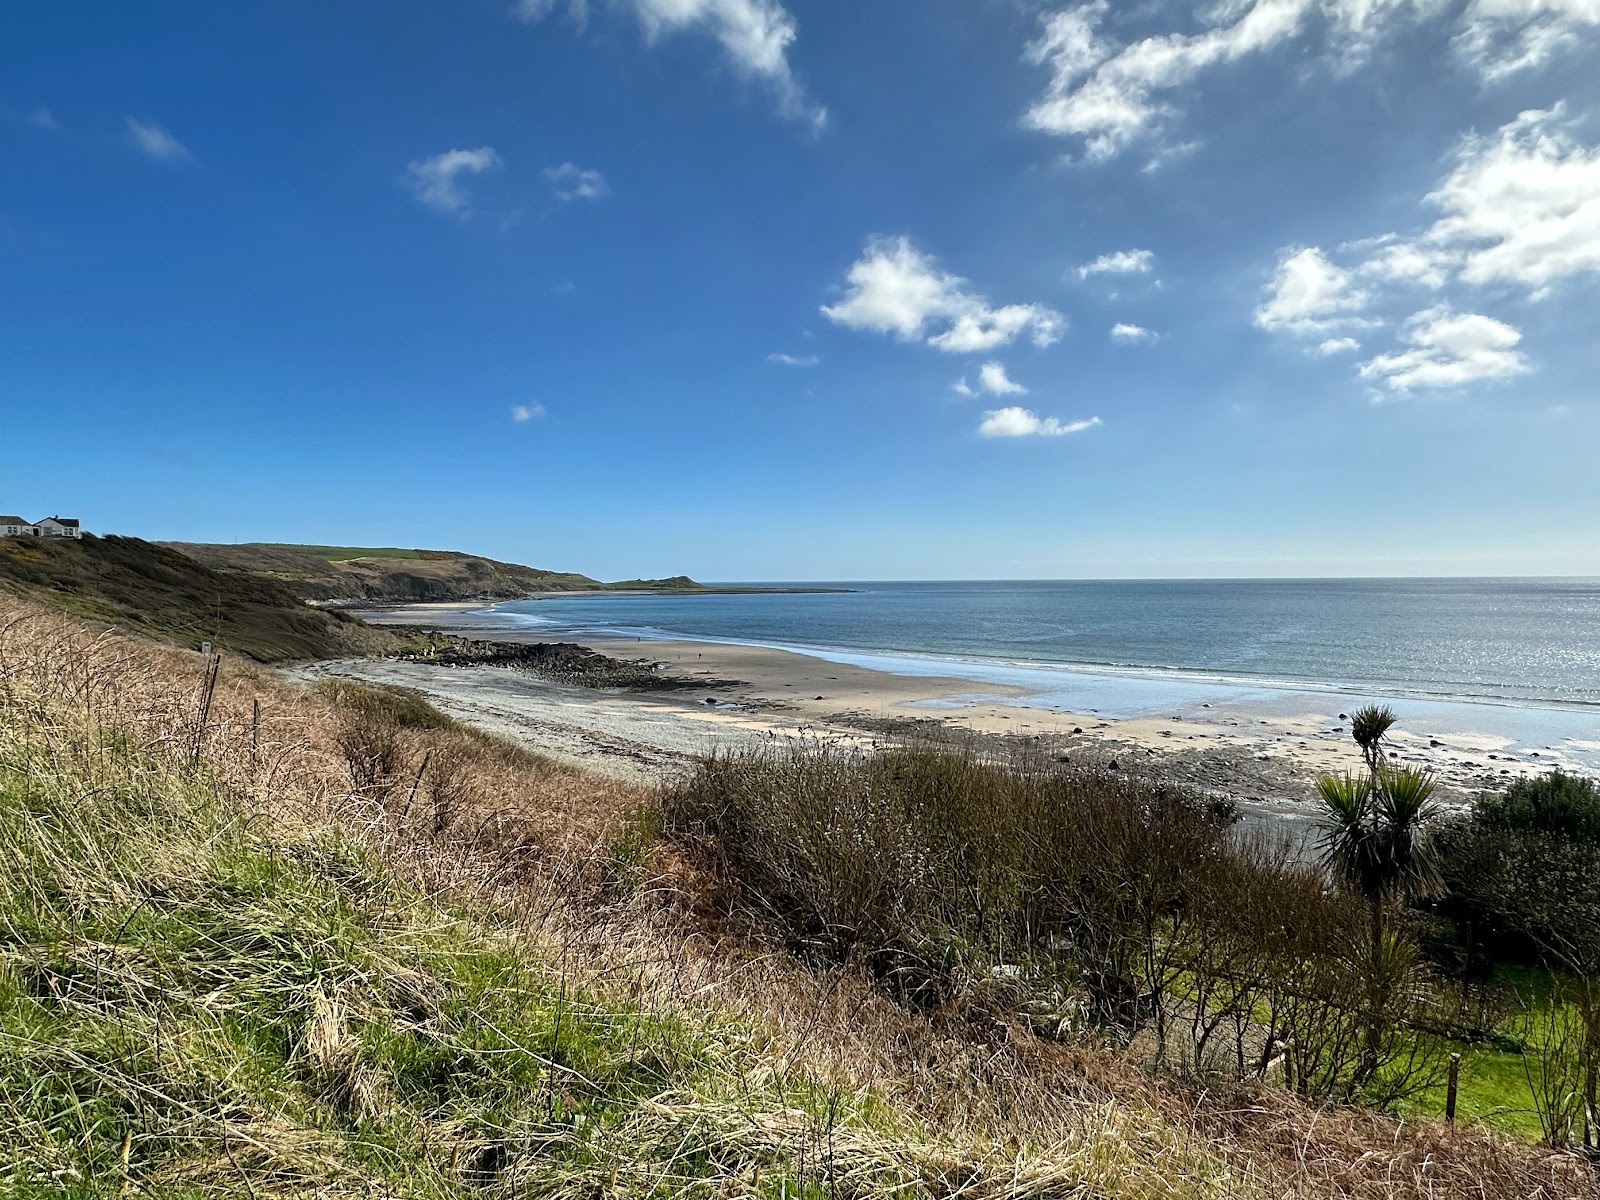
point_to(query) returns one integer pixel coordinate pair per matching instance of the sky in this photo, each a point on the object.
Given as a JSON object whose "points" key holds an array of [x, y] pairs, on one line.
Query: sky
{"points": [[802, 289]]}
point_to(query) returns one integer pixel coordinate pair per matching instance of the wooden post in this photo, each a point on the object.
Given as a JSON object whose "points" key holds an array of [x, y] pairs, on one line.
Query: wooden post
{"points": [[255, 737], [208, 689], [1450, 1093]]}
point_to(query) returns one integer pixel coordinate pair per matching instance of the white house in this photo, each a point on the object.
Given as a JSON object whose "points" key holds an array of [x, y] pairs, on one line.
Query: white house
{"points": [[59, 527], [16, 527]]}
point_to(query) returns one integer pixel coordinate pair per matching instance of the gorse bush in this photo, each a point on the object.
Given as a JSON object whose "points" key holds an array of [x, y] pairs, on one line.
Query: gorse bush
{"points": [[1556, 803]]}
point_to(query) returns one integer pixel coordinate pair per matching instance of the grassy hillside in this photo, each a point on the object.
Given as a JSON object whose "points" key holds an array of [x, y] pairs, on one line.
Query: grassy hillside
{"points": [[332, 944], [156, 590], [389, 574]]}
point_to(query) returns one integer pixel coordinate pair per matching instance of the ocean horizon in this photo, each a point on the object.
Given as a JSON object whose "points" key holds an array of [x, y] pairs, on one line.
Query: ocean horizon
{"points": [[1517, 658]]}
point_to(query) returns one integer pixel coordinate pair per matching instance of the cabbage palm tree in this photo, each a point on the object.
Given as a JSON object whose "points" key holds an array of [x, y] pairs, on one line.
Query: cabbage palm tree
{"points": [[1375, 841], [1369, 727]]}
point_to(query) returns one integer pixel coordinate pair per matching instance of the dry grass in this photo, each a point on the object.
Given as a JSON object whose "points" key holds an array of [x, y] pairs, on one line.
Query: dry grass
{"points": [[323, 944]]}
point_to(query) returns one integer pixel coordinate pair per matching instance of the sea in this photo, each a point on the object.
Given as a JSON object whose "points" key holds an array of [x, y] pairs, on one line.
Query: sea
{"points": [[1515, 662]]}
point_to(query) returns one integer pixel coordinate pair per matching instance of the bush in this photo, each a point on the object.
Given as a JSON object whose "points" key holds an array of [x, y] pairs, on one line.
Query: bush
{"points": [[1080, 900], [1521, 872]]}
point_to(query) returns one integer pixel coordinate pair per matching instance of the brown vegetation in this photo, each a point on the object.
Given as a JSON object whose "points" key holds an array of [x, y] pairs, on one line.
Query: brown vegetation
{"points": [[805, 1071], [157, 591]]}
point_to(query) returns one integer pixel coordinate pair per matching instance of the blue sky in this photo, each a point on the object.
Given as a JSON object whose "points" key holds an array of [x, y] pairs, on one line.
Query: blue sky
{"points": [[811, 290]]}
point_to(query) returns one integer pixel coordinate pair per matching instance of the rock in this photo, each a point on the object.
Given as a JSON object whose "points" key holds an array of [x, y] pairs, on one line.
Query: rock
{"points": [[1435, 742], [1113, 765], [711, 700], [1064, 758], [1342, 717], [819, 697], [1077, 729]]}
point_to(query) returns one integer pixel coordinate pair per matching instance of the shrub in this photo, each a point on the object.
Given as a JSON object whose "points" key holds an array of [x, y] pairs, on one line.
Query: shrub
{"points": [[1133, 904]]}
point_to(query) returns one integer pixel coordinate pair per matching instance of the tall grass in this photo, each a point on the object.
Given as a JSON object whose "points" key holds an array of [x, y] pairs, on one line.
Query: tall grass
{"points": [[282, 971]]}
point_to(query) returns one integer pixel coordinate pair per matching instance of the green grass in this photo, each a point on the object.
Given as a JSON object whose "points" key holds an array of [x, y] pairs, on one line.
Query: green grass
{"points": [[1494, 1087], [190, 1006], [1493, 1090], [345, 553], [162, 592]]}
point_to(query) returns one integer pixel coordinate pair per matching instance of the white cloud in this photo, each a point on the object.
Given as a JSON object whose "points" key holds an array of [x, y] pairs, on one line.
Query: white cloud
{"points": [[155, 141], [1309, 294], [521, 413], [1020, 422], [572, 182], [756, 35], [1119, 262], [993, 379], [1123, 331], [436, 181], [1344, 345], [1501, 37], [985, 328], [1449, 349], [1406, 263], [1111, 95], [1521, 206], [962, 388], [794, 360], [896, 289]]}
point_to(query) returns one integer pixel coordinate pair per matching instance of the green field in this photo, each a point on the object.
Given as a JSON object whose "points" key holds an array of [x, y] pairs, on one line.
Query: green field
{"points": [[343, 553]]}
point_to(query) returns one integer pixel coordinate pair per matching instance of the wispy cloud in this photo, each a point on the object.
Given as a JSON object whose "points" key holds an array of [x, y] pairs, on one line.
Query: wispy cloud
{"points": [[1518, 212], [154, 140], [896, 289], [794, 360], [1119, 262], [38, 117], [522, 413], [572, 182], [1021, 422], [1111, 96], [1128, 333], [1449, 349], [436, 181], [1344, 345], [756, 35]]}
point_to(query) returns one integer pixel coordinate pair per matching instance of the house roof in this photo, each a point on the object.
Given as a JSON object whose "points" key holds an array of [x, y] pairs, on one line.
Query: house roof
{"points": [[14, 521], [68, 522]]}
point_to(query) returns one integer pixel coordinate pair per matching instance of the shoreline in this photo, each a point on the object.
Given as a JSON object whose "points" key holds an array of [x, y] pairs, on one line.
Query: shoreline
{"points": [[1261, 746]]}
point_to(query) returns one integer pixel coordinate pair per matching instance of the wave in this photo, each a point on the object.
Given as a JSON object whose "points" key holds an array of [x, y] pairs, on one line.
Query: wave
{"points": [[1005, 670]]}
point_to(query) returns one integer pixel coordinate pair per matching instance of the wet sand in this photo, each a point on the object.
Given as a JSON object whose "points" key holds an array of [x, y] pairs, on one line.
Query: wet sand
{"points": [[1264, 755]]}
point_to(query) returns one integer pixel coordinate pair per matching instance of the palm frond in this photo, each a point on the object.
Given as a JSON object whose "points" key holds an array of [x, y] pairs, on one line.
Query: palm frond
{"points": [[1370, 724]]}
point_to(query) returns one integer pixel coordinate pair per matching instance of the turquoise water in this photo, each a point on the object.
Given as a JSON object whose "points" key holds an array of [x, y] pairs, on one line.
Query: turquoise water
{"points": [[1515, 656]]}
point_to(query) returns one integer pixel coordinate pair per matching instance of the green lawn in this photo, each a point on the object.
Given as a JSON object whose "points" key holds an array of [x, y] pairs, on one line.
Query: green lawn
{"points": [[345, 553]]}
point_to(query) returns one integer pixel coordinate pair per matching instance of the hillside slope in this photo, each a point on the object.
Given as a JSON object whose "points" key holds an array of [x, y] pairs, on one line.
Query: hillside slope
{"points": [[386, 574], [156, 590], [330, 943]]}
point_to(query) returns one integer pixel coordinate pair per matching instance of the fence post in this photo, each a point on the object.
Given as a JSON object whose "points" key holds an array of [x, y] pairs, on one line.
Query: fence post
{"points": [[1450, 1094]]}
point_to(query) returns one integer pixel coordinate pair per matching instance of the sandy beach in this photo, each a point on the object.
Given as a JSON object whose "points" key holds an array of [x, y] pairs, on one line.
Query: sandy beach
{"points": [[1263, 755]]}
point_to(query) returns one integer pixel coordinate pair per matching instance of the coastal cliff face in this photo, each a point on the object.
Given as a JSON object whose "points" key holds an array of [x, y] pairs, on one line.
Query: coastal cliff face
{"points": [[355, 574]]}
